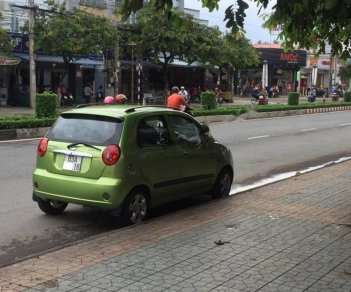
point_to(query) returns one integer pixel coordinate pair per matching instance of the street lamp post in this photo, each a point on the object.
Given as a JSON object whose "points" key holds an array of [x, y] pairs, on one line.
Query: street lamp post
{"points": [[314, 75], [265, 74], [140, 69]]}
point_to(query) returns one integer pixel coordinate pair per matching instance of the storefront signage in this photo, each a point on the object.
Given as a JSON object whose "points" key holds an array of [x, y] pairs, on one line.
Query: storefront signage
{"points": [[9, 62], [289, 57], [277, 57]]}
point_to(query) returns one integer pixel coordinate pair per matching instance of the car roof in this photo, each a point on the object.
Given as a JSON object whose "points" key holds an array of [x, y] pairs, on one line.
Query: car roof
{"points": [[116, 110]]}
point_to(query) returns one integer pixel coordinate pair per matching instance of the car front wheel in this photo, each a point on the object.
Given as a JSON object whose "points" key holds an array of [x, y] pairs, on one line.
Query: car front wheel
{"points": [[52, 207], [223, 184], [136, 207]]}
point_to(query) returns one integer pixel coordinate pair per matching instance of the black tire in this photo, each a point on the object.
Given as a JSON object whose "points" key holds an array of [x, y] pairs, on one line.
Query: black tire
{"points": [[136, 207], [52, 207], [222, 186]]}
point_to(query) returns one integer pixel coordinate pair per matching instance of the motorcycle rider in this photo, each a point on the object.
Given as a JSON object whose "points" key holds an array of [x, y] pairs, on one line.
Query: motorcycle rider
{"points": [[184, 93], [177, 101]]}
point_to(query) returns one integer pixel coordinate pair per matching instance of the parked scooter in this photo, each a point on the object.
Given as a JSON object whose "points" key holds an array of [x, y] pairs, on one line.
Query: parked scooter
{"points": [[262, 99], [67, 100], [311, 95], [336, 93]]}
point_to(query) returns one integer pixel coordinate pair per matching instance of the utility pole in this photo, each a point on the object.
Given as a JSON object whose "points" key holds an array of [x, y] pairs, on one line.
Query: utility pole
{"points": [[116, 67], [32, 74]]}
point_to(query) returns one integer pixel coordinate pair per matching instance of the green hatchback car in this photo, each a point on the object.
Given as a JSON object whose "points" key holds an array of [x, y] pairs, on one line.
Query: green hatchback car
{"points": [[127, 159]]}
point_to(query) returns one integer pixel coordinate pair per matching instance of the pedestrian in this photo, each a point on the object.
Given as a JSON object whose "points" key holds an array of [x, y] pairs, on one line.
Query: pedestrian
{"points": [[218, 96], [88, 93], [99, 95], [177, 101]]}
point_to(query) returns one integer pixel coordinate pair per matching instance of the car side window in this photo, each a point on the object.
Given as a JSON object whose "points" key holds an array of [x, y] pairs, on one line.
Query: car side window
{"points": [[185, 130], [151, 132]]}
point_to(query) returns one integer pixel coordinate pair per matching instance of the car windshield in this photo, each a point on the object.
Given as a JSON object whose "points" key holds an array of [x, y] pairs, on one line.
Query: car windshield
{"points": [[88, 129]]}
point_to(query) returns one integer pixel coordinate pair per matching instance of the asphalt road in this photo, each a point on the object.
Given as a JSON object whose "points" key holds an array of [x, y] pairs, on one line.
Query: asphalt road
{"points": [[261, 148]]}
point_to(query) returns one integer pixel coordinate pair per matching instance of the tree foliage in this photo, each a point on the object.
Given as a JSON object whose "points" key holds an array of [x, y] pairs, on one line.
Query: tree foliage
{"points": [[165, 38], [72, 33], [5, 41], [306, 24], [345, 72]]}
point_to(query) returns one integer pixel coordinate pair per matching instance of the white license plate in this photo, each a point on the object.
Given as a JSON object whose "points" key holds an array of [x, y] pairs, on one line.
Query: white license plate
{"points": [[72, 162]]}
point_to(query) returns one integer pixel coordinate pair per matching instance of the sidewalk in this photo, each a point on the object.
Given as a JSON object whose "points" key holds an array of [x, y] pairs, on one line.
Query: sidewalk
{"points": [[293, 235], [9, 110]]}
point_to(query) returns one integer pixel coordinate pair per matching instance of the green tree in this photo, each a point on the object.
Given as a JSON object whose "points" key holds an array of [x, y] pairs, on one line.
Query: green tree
{"points": [[345, 72], [5, 41], [165, 38], [238, 53], [307, 24], [71, 34]]}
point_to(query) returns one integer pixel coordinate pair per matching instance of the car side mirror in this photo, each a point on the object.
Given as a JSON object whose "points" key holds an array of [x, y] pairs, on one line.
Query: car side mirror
{"points": [[204, 129]]}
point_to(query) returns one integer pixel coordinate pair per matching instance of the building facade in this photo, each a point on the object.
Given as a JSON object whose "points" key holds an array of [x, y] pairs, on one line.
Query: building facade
{"points": [[282, 68]]}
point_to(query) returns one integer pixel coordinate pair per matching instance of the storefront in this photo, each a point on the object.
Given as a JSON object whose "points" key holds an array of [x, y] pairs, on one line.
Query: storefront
{"points": [[282, 68], [8, 66], [52, 72]]}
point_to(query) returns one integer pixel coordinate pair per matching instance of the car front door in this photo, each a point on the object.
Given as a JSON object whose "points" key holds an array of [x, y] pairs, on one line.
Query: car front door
{"points": [[159, 159]]}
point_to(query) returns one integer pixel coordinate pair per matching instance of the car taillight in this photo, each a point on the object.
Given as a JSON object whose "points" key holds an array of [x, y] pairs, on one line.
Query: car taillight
{"points": [[111, 154], [42, 147]]}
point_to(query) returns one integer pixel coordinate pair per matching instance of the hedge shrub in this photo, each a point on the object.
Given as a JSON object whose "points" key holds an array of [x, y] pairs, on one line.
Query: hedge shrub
{"points": [[26, 122], [208, 100], [347, 96], [293, 98], [46, 105]]}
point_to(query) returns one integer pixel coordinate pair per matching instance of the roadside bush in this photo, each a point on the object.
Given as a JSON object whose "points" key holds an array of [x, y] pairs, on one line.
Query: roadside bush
{"points": [[293, 98], [30, 121], [46, 105], [347, 96], [208, 100], [235, 110]]}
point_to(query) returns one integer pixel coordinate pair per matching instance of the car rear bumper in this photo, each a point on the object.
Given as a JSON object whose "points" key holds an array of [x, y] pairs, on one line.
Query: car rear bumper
{"points": [[104, 193]]}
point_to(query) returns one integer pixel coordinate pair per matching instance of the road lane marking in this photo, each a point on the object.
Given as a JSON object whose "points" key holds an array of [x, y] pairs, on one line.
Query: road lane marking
{"points": [[237, 188], [346, 124], [258, 137], [307, 130]]}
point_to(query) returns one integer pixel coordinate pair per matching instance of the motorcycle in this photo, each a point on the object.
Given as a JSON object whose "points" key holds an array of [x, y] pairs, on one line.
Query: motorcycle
{"points": [[311, 95], [67, 100], [262, 99], [189, 111]]}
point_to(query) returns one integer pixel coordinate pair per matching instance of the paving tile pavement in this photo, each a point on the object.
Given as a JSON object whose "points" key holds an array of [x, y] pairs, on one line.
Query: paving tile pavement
{"points": [[293, 235]]}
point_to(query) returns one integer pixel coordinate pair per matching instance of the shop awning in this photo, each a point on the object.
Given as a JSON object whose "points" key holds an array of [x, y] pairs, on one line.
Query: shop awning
{"points": [[6, 60], [179, 63], [85, 62]]}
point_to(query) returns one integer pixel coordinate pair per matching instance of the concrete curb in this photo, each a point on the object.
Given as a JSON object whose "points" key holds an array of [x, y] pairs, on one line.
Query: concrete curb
{"points": [[24, 133]]}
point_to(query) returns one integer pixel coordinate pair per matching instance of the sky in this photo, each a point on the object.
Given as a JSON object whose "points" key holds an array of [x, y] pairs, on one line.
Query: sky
{"points": [[253, 22]]}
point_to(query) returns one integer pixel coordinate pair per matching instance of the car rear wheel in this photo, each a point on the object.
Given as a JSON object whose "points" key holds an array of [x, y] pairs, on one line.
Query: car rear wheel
{"points": [[52, 207], [136, 207], [223, 184]]}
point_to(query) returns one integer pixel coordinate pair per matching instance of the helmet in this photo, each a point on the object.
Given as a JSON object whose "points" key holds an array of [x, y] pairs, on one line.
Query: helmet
{"points": [[109, 99], [175, 89], [120, 98]]}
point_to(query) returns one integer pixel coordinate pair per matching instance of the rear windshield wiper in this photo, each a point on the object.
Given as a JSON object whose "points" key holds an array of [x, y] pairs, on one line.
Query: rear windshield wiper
{"points": [[81, 143]]}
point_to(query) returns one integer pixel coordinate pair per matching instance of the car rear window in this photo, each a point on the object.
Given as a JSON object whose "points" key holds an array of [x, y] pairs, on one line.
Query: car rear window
{"points": [[90, 129]]}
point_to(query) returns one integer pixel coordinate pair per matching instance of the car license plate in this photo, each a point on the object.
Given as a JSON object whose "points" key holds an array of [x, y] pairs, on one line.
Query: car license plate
{"points": [[72, 162]]}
